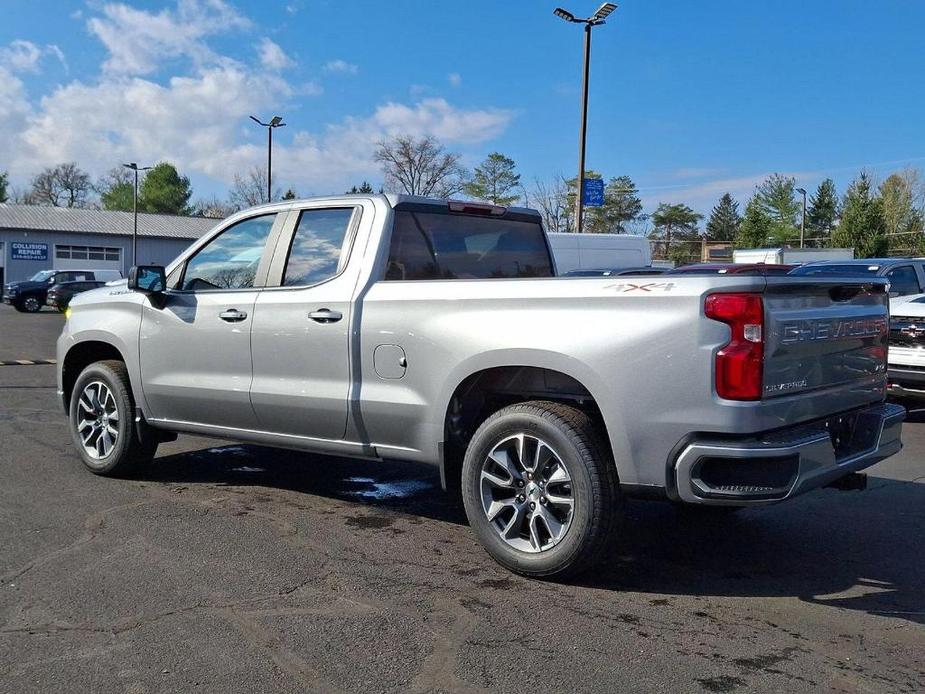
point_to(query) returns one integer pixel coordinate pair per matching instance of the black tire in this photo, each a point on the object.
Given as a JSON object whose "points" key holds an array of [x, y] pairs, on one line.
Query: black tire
{"points": [[30, 304], [128, 454], [18, 307], [594, 487]]}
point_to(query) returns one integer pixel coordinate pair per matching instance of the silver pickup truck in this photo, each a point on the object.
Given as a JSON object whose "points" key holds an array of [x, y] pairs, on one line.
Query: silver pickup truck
{"points": [[392, 327]]}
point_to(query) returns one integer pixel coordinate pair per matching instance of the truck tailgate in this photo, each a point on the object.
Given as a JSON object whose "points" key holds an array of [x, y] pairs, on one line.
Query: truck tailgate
{"points": [[824, 334]]}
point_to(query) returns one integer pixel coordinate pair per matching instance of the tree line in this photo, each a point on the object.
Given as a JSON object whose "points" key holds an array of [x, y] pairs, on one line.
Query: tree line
{"points": [[870, 218], [161, 190]]}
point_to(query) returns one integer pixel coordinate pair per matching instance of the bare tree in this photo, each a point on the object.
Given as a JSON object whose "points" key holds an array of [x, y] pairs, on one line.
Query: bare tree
{"points": [[65, 185], [551, 199], [250, 189], [419, 167], [212, 208]]}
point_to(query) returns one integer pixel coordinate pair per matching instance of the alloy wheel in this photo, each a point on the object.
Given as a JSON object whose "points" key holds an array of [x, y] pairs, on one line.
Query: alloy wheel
{"points": [[98, 420], [526, 493]]}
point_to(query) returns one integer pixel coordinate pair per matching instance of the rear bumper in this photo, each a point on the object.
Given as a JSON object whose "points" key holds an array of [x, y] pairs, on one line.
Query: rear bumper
{"points": [[906, 379], [778, 466]]}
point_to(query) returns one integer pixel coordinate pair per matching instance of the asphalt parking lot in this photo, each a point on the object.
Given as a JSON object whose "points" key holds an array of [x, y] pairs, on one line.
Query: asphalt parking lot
{"points": [[245, 569]]}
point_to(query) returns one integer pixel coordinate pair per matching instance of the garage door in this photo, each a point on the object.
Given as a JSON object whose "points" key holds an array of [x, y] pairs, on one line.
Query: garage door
{"points": [[68, 257]]}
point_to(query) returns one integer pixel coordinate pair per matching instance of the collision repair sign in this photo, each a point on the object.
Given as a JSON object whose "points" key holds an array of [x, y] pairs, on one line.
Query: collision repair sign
{"points": [[28, 251]]}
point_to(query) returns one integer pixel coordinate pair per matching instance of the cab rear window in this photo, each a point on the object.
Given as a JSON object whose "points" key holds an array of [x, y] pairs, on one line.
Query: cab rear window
{"points": [[446, 246]]}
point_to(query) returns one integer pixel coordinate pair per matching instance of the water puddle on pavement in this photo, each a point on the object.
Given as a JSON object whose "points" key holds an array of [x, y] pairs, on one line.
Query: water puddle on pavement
{"points": [[399, 489]]}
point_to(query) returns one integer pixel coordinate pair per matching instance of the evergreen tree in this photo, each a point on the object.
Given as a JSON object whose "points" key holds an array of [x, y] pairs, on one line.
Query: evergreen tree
{"points": [[289, 194], [117, 190], [164, 191], [777, 199], [677, 220], [4, 182], [902, 220], [365, 188], [494, 180], [862, 226], [755, 229], [621, 207], [724, 220], [823, 209]]}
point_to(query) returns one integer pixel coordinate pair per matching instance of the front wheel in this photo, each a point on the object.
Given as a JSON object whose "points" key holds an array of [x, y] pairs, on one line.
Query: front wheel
{"points": [[31, 304], [102, 416], [540, 489]]}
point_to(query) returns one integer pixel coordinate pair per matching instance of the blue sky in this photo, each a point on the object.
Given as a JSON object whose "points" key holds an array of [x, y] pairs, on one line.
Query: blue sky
{"points": [[689, 98]]}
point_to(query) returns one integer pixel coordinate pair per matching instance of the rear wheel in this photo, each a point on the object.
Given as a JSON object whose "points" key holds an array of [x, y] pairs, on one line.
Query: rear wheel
{"points": [[540, 489], [102, 420]]}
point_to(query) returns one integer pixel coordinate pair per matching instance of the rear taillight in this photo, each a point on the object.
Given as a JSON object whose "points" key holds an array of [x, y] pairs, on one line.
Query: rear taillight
{"points": [[740, 362]]}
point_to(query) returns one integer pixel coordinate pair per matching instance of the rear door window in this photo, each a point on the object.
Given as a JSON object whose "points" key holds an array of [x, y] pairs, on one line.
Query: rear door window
{"points": [[318, 251], [903, 280], [432, 245]]}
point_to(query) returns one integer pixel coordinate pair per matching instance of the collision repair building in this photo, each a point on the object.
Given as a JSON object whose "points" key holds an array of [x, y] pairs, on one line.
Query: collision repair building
{"points": [[34, 238]]}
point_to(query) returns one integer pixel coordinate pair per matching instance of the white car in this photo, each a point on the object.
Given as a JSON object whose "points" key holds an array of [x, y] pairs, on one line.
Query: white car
{"points": [[906, 359]]}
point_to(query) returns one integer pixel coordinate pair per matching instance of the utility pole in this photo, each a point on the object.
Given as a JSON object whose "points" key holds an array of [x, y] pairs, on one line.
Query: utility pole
{"points": [[594, 20], [275, 122], [134, 167], [803, 218]]}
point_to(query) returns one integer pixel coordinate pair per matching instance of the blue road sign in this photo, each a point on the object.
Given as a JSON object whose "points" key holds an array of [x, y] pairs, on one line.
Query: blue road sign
{"points": [[28, 251], [593, 192]]}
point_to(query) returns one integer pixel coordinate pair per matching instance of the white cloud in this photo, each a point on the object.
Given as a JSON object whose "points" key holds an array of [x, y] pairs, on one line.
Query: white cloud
{"points": [[198, 119], [454, 78], [272, 57], [341, 66], [25, 56], [21, 56], [138, 40]]}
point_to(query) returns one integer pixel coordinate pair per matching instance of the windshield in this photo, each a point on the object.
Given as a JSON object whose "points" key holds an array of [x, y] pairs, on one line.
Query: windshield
{"points": [[41, 276], [836, 270]]}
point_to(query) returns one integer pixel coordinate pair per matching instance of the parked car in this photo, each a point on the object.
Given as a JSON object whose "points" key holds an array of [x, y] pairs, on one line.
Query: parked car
{"points": [[906, 275], [403, 328], [30, 295], [731, 269], [60, 295], [617, 272], [906, 359]]}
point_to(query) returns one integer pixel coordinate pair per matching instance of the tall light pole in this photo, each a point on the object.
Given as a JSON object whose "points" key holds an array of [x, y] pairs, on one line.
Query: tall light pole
{"points": [[803, 218], [275, 122], [134, 167], [597, 18]]}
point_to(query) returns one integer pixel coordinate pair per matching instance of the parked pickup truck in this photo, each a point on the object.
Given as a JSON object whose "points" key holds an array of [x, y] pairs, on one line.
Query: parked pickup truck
{"points": [[393, 327]]}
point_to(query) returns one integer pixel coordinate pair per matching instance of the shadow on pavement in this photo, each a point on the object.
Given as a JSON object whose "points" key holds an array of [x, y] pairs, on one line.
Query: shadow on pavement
{"points": [[854, 550]]}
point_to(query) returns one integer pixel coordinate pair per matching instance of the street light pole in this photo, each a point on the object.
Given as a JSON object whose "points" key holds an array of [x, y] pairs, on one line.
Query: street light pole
{"points": [[597, 18], [134, 167], [275, 122], [803, 218]]}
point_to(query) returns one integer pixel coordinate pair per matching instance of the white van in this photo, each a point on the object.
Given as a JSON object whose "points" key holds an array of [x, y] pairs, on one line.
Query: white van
{"points": [[599, 251]]}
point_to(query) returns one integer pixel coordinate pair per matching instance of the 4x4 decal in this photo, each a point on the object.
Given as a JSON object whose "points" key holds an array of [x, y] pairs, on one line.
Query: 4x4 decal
{"points": [[624, 287]]}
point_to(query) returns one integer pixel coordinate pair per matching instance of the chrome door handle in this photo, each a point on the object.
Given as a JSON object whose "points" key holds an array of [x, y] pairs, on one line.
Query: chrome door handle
{"points": [[232, 315], [325, 315]]}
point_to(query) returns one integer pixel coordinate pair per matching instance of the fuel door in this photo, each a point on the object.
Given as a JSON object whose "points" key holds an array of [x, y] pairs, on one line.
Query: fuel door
{"points": [[389, 361]]}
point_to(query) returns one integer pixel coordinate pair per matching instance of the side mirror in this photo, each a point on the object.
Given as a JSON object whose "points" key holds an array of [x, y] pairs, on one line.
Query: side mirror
{"points": [[148, 279]]}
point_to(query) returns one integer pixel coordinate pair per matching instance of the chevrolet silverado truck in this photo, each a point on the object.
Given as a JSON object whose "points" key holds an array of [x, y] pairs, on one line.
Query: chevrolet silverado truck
{"points": [[397, 327]]}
